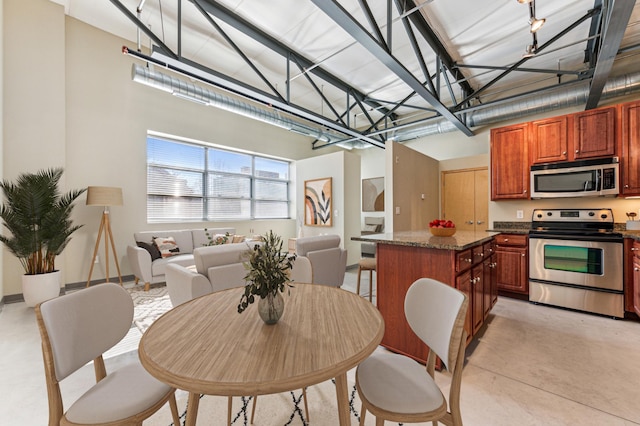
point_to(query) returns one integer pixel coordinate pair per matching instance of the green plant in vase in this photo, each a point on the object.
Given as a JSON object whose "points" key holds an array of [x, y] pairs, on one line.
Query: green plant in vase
{"points": [[268, 274]]}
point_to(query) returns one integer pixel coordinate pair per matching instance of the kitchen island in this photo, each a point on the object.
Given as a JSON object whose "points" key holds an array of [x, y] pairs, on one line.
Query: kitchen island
{"points": [[465, 261]]}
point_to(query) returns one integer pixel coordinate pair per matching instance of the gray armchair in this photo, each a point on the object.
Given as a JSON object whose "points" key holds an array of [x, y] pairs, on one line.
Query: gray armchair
{"points": [[328, 260]]}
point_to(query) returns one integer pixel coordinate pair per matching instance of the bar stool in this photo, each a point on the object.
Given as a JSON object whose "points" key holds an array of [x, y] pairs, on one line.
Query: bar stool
{"points": [[366, 264]]}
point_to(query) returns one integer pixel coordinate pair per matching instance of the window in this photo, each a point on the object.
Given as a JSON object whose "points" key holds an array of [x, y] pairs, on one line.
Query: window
{"points": [[190, 182]]}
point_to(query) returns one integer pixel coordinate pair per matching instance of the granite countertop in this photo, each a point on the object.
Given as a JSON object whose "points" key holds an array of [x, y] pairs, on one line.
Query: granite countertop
{"points": [[461, 240]]}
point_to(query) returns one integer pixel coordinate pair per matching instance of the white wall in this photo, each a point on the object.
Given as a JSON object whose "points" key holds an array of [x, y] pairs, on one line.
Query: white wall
{"points": [[69, 101], [344, 169]]}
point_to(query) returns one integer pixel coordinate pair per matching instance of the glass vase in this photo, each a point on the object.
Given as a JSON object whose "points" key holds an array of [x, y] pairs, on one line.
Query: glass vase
{"points": [[271, 307]]}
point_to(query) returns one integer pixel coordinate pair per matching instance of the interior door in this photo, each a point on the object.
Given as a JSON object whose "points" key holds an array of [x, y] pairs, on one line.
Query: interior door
{"points": [[465, 198]]}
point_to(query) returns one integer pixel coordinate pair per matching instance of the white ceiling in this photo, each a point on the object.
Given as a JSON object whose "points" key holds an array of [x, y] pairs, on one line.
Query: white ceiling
{"points": [[473, 32]]}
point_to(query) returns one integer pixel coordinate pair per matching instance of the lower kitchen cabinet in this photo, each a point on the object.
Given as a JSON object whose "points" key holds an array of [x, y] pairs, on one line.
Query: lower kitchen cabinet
{"points": [[467, 270], [632, 285], [512, 260]]}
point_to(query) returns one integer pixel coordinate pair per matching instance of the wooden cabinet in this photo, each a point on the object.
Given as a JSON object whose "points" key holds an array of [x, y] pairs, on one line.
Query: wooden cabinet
{"points": [[594, 133], [513, 263], [550, 140], [510, 162], [632, 285], [399, 266], [588, 134], [630, 148]]}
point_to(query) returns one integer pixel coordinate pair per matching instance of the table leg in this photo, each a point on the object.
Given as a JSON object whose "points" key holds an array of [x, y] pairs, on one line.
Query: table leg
{"points": [[192, 409], [342, 394]]}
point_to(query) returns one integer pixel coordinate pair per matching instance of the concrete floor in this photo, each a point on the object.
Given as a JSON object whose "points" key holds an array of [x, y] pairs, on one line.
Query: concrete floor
{"points": [[530, 365]]}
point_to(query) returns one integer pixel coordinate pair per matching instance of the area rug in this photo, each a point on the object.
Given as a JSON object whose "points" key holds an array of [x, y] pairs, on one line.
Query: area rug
{"points": [[149, 305], [283, 409]]}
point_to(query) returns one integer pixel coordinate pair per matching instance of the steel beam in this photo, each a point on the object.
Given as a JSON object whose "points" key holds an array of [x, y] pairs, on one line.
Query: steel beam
{"points": [[351, 26], [224, 14], [616, 24]]}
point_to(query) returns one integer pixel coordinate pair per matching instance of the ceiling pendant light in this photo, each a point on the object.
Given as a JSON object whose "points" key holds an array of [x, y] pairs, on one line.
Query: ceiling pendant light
{"points": [[524, 1], [536, 24]]}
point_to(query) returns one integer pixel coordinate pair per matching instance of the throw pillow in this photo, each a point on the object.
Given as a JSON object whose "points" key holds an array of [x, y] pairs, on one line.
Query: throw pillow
{"points": [[238, 238], [167, 246], [151, 248]]}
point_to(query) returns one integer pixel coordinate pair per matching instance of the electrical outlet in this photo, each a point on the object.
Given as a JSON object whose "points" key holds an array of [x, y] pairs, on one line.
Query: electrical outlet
{"points": [[519, 214], [397, 210]]}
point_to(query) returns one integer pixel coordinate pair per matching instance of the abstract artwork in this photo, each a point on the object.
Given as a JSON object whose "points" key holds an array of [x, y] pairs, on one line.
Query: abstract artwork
{"points": [[317, 202], [373, 194]]}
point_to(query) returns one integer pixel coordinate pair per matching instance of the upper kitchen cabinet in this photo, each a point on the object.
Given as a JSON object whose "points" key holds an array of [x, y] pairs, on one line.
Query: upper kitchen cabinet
{"points": [[588, 134], [510, 162], [549, 140], [594, 133], [630, 161]]}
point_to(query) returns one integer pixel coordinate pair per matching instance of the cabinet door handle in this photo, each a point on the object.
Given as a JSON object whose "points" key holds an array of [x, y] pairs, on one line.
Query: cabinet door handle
{"points": [[634, 249], [480, 222], [523, 255], [564, 152], [469, 222], [636, 269], [525, 191], [506, 240], [626, 186], [577, 151], [469, 260]]}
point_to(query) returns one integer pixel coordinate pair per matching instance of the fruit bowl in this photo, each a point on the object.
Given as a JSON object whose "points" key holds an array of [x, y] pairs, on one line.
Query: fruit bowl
{"points": [[443, 232], [442, 228]]}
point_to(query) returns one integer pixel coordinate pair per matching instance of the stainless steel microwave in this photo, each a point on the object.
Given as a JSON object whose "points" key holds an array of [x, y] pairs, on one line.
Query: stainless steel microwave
{"points": [[587, 178]]}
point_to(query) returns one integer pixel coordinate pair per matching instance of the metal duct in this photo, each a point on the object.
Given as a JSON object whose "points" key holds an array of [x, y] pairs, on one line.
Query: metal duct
{"points": [[522, 106], [190, 91], [552, 99]]}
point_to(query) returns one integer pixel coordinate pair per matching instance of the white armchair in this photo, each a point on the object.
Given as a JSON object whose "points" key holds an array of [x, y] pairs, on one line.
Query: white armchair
{"points": [[216, 268], [328, 260]]}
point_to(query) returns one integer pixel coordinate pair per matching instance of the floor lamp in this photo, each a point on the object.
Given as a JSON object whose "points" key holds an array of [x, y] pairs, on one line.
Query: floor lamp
{"points": [[105, 196]]}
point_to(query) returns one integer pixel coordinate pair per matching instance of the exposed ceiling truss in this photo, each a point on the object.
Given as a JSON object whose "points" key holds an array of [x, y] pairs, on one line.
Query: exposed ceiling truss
{"points": [[435, 85]]}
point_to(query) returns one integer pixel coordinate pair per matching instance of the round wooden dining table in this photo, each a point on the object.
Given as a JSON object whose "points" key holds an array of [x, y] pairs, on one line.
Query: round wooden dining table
{"points": [[205, 346]]}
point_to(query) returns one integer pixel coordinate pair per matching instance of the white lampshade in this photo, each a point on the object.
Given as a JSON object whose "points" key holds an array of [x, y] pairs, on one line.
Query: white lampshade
{"points": [[104, 196]]}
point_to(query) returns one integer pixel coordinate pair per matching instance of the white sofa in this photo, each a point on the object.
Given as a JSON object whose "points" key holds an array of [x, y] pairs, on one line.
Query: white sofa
{"points": [[153, 270], [217, 268], [328, 260]]}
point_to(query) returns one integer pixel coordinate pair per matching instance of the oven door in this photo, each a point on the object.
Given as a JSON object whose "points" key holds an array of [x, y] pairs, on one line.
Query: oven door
{"points": [[585, 263]]}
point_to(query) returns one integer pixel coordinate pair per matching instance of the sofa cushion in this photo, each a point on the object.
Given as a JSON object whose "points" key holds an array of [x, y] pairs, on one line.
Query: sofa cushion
{"points": [[183, 238], [167, 246], [200, 238], [151, 248], [207, 257], [159, 266]]}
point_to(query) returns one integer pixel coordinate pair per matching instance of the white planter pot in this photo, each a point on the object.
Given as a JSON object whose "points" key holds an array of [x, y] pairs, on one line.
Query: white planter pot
{"points": [[40, 287]]}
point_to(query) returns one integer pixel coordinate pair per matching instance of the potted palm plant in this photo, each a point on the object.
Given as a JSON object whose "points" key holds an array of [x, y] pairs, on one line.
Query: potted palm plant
{"points": [[38, 217], [268, 274]]}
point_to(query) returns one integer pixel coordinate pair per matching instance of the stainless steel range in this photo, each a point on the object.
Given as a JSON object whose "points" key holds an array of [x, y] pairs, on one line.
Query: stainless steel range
{"points": [[575, 261]]}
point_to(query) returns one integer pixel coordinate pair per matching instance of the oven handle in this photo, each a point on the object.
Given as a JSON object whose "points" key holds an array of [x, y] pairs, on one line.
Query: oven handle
{"points": [[604, 238]]}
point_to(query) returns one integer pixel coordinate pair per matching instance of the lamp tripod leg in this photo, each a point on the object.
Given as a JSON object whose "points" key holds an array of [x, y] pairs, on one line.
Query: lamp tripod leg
{"points": [[113, 247], [95, 250]]}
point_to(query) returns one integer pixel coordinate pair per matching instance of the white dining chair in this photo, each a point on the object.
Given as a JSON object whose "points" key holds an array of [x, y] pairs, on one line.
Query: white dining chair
{"points": [[395, 387], [78, 328]]}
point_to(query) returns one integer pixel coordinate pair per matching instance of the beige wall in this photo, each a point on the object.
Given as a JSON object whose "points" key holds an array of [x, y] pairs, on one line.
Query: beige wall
{"points": [[414, 199], [69, 101]]}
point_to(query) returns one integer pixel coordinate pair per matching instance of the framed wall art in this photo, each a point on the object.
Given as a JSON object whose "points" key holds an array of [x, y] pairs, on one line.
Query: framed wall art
{"points": [[318, 202], [373, 194]]}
